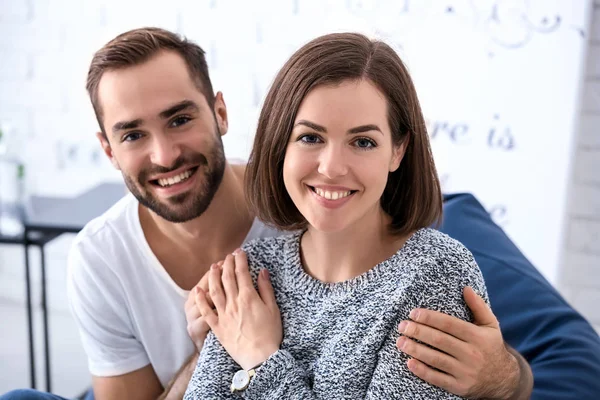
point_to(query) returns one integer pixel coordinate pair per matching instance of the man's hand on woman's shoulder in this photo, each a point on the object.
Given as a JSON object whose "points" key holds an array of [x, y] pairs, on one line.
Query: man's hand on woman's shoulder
{"points": [[472, 359]]}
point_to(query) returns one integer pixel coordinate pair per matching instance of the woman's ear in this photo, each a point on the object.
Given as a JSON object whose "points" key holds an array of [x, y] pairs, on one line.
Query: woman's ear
{"points": [[398, 153]]}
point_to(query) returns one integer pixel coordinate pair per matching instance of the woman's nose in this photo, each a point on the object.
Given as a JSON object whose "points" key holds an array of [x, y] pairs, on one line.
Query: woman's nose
{"points": [[333, 162]]}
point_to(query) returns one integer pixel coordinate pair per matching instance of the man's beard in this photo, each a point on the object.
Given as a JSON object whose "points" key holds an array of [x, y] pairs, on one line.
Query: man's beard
{"points": [[191, 204]]}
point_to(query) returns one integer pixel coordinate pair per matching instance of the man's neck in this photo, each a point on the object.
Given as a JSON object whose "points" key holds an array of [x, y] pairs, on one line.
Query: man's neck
{"points": [[186, 250], [339, 256]]}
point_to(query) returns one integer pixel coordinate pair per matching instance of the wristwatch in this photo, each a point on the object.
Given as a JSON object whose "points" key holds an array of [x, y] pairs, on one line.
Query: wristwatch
{"points": [[242, 378]]}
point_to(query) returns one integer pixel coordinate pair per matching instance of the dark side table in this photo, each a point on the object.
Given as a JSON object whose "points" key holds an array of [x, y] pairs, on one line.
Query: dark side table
{"points": [[44, 219]]}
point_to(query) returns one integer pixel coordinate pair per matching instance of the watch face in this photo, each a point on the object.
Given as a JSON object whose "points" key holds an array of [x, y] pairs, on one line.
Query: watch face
{"points": [[241, 379]]}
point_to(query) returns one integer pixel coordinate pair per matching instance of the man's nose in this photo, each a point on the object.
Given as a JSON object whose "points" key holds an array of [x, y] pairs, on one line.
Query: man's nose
{"points": [[164, 151]]}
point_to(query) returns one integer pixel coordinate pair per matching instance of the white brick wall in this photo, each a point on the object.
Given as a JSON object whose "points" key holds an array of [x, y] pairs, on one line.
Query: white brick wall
{"points": [[580, 274], [45, 48]]}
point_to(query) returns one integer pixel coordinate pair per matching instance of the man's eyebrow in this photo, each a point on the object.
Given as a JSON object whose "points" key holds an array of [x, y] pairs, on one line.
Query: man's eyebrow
{"points": [[123, 125], [183, 105]]}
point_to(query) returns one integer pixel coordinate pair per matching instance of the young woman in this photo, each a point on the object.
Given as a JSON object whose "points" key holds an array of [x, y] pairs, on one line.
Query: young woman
{"points": [[342, 159]]}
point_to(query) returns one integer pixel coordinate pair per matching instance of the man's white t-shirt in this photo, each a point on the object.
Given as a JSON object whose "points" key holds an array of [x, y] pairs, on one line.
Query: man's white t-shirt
{"points": [[129, 311]]}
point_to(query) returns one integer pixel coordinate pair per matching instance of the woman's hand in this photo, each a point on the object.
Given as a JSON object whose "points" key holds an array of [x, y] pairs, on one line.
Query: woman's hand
{"points": [[246, 322]]}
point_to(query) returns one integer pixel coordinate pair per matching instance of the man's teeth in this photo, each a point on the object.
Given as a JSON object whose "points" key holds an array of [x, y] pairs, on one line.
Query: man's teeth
{"points": [[175, 179], [332, 195]]}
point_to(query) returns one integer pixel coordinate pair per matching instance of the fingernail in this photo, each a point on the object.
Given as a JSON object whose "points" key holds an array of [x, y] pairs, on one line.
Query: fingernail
{"points": [[214, 266], [414, 315], [236, 251], [412, 365], [402, 326], [402, 342], [265, 273], [197, 289]]}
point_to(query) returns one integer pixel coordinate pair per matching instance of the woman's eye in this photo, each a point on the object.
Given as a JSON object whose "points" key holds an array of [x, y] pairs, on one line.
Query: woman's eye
{"points": [[181, 120], [310, 139], [132, 137], [365, 143]]}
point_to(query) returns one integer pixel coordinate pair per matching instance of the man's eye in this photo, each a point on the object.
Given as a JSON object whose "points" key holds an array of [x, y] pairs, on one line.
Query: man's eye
{"points": [[309, 139], [181, 120], [132, 136]]}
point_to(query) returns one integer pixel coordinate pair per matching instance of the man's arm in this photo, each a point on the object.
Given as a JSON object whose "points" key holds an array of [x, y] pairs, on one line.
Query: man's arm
{"points": [[118, 361], [179, 383], [559, 344], [197, 329], [142, 384], [525, 386]]}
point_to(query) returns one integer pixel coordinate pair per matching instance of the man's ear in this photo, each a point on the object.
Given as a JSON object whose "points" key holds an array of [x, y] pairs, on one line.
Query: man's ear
{"points": [[107, 149], [220, 110], [398, 153]]}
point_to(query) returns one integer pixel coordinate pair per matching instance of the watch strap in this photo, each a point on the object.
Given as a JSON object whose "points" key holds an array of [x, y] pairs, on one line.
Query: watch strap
{"points": [[251, 373]]}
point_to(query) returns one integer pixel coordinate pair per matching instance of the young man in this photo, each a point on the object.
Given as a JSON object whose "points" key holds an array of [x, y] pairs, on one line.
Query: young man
{"points": [[130, 270]]}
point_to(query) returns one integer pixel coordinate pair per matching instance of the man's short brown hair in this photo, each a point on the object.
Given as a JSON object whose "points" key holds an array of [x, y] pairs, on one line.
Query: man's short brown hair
{"points": [[138, 46], [412, 196]]}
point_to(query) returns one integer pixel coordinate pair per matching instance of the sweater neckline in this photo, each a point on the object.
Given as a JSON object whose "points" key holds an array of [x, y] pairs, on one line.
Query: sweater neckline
{"points": [[315, 287]]}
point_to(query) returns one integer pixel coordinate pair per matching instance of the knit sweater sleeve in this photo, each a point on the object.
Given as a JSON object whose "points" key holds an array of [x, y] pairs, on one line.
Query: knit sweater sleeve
{"points": [[439, 289], [280, 377]]}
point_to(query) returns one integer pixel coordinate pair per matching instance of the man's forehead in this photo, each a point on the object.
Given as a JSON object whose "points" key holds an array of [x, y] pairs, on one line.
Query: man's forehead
{"points": [[145, 91]]}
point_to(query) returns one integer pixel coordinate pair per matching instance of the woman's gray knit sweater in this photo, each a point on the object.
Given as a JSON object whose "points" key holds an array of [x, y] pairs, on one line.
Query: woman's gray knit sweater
{"points": [[339, 339]]}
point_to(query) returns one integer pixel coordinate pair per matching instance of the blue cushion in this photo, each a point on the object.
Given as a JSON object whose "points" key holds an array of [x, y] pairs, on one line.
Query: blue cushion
{"points": [[560, 345]]}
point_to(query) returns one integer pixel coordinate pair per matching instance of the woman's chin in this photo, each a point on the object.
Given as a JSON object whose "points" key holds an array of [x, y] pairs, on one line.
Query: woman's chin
{"points": [[328, 226]]}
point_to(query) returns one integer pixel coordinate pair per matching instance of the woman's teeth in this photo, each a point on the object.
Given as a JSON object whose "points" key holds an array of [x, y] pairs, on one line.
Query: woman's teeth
{"points": [[332, 195]]}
